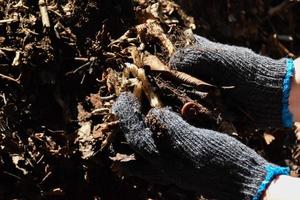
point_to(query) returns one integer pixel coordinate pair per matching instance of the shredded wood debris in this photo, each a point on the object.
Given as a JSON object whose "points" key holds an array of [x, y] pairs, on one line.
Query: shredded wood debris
{"points": [[63, 64]]}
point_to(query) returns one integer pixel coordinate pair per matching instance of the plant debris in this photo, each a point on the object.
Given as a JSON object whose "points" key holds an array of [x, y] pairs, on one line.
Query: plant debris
{"points": [[63, 63]]}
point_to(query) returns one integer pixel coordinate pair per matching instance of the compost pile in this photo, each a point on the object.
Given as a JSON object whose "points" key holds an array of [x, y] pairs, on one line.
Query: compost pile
{"points": [[63, 63]]}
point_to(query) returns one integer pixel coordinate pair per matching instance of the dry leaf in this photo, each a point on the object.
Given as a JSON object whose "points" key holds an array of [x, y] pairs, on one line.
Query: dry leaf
{"points": [[95, 100], [269, 138], [154, 63], [153, 29], [123, 157], [16, 158], [85, 140]]}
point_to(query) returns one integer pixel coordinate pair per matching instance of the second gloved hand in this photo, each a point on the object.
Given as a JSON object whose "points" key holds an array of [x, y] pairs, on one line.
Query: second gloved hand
{"points": [[261, 84], [205, 161]]}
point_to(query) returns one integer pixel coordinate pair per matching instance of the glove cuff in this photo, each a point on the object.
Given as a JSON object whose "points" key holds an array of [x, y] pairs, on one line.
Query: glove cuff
{"points": [[287, 117], [271, 172]]}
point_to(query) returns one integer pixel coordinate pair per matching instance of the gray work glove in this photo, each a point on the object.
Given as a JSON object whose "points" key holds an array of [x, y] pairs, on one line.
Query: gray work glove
{"points": [[208, 162], [261, 84]]}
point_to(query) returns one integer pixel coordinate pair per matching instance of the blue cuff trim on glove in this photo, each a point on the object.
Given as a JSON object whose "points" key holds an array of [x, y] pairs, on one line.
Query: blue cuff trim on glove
{"points": [[287, 117], [272, 172]]}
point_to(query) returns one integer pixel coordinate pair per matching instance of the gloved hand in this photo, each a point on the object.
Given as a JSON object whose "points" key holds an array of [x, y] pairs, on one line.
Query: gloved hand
{"points": [[205, 161], [261, 84]]}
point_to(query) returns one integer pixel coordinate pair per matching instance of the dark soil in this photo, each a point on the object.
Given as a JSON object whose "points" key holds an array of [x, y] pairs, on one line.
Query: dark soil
{"points": [[58, 138]]}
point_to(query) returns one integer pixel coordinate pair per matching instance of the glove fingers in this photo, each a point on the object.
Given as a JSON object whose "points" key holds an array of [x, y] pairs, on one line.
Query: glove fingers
{"points": [[128, 109], [216, 63], [188, 141], [127, 106], [203, 42], [174, 136], [200, 158], [198, 62]]}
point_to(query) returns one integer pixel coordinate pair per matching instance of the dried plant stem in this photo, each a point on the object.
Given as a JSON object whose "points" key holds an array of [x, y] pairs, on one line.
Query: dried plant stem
{"points": [[7, 21], [16, 61], [148, 90], [8, 78], [44, 14]]}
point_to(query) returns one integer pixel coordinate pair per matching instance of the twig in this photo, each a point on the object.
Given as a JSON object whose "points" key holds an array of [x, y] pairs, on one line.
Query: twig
{"points": [[100, 111], [89, 63], [16, 61], [20, 4], [281, 47], [188, 79], [40, 159], [156, 65], [44, 14], [4, 98], [10, 174], [7, 21], [280, 7], [79, 68], [286, 38], [7, 49], [148, 90], [55, 12], [10, 78], [45, 178], [123, 38], [107, 98], [81, 59]]}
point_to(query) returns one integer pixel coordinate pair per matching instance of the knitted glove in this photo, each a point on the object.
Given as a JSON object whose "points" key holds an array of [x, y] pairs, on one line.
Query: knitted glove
{"points": [[205, 161], [261, 84]]}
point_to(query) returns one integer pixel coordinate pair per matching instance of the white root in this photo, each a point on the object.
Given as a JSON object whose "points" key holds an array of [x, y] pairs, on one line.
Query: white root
{"points": [[139, 73]]}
